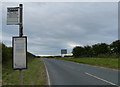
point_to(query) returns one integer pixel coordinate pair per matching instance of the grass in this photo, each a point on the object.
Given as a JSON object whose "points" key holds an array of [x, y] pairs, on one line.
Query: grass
{"points": [[0, 74], [104, 62], [34, 75]]}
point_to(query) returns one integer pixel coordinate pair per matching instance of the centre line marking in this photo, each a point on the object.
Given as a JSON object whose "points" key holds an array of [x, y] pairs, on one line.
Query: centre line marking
{"points": [[101, 79]]}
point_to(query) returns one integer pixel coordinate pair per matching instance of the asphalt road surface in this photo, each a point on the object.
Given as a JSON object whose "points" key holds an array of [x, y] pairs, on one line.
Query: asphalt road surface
{"points": [[61, 72]]}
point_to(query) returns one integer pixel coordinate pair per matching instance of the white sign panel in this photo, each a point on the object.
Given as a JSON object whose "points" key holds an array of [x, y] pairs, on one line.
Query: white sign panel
{"points": [[19, 52], [12, 16]]}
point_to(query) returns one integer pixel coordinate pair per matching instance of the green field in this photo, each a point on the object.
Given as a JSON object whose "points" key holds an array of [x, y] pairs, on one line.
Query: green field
{"points": [[34, 75], [105, 62]]}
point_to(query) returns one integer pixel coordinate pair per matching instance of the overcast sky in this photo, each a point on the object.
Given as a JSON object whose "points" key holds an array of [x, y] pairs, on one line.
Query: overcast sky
{"points": [[52, 26]]}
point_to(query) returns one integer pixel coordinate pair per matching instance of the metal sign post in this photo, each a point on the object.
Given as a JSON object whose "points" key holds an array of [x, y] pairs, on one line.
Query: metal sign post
{"points": [[20, 77], [20, 34], [14, 17], [21, 23]]}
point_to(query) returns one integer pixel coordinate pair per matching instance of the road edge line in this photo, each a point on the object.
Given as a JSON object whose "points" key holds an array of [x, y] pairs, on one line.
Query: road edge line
{"points": [[48, 77], [101, 79]]}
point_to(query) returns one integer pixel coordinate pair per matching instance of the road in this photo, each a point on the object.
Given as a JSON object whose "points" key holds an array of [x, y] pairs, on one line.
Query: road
{"points": [[61, 72]]}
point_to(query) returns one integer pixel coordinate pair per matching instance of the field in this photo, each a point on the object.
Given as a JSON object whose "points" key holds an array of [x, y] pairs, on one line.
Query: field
{"points": [[34, 75], [104, 62]]}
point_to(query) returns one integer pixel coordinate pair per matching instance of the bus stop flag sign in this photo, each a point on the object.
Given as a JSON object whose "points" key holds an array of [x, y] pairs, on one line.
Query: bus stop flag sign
{"points": [[13, 16]]}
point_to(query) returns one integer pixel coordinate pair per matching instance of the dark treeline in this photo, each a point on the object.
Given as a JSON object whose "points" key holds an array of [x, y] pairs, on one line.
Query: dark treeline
{"points": [[7, 53], [98, 50]]}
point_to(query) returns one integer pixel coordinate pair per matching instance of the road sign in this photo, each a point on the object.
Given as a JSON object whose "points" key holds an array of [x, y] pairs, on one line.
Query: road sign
{"points": [[63, 51], [13, 16], [19, 52]]}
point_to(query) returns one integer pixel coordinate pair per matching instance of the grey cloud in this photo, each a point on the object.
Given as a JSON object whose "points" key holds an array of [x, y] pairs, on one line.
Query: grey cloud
{"points": [[52, 26]]}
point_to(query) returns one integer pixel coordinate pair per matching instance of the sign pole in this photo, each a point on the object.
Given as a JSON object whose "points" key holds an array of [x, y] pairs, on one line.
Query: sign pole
{"points": [[20, 77], [20, 35], [21, 24]]}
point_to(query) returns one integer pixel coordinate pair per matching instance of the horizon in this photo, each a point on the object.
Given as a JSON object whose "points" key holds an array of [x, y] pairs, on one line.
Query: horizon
{"points": [[60, 50]]}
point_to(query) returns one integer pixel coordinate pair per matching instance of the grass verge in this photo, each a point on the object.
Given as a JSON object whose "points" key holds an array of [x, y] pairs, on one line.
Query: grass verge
{"points": [[34, 75], [104, 62]]}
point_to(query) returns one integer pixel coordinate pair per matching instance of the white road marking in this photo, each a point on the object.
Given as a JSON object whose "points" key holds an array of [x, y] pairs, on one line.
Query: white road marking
{"points": [[47, 74], [101, 79]]}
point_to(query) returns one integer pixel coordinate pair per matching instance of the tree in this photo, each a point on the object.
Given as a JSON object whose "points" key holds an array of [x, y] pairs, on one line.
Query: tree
{"points": [[78, 51], [115, 47], [100, 48], [88, 51]]}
